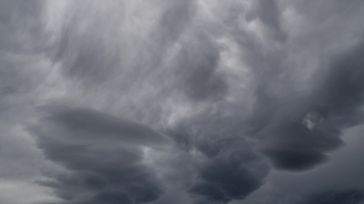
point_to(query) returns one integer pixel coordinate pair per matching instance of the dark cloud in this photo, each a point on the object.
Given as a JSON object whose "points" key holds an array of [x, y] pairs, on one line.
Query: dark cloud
{"points": [[102, 156], [302, 132], [336, 197], [224, 179], [294, 146], [229, 168], [181, 102], [342, 88], [98, 124]]}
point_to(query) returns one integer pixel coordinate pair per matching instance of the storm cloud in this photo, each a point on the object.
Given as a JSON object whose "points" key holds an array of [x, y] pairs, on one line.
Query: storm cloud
{"points": [[186, 102], [346, 196], [102, 156]]}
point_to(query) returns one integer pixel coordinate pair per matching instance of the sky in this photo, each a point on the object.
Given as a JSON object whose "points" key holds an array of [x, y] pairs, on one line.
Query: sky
{"points": [[181, 101]]}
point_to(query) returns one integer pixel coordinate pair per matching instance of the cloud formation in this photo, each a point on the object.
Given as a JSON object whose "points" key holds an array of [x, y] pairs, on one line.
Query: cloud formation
{"points": [[102, 155], [344, 196], [186, 102]]}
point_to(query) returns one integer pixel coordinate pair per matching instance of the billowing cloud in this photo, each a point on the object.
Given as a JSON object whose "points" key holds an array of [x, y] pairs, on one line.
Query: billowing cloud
{"points": [[186, 102], [228, 177], [302, 134], [102, 156]]}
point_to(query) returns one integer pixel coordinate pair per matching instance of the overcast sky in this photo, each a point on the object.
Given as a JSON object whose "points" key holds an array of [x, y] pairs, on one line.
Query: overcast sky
{"points": [[181, 102]]}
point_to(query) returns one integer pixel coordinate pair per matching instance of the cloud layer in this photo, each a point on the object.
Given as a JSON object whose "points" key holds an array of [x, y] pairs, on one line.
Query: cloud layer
{"points": [[186, 102]]}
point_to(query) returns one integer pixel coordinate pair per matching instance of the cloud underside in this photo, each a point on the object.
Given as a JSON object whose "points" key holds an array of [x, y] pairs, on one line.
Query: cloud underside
{"points": [[180, 101]]}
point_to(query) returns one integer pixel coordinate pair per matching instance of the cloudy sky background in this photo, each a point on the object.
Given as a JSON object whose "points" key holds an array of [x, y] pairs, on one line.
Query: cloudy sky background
{"points": [[181, 101]]}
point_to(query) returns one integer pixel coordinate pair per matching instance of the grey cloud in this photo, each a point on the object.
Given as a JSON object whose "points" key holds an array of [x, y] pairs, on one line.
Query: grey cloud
{"points": [[270, 14], [180, 101], [20, 27], [198, 65], [83, 56], [230, 169], [90, 55], [102, 155], [226, 179], [176, 16], [340, 174], [342, 88], [142, 72], [295, 147], [21, 74], [95, 124], [336, 197], [336, 101]]}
